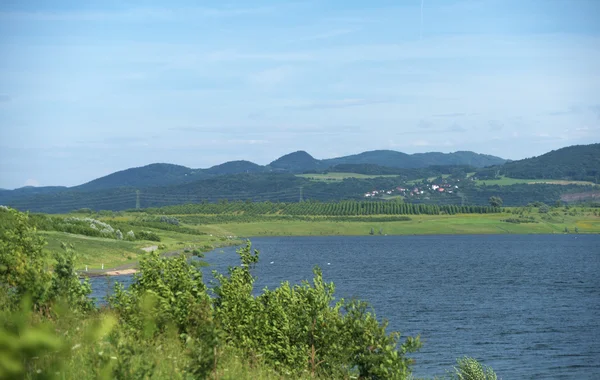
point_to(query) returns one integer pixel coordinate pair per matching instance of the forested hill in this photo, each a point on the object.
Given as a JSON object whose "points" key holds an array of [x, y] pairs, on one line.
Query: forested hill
{"points": [[391, 158], [163, 174], [297, 162], [281, 187], [149, 175], [578, 162]]}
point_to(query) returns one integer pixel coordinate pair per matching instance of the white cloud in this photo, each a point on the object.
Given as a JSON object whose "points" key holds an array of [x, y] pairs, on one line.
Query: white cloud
{"points": [[324, 35], [247, 142], [32, 182]]}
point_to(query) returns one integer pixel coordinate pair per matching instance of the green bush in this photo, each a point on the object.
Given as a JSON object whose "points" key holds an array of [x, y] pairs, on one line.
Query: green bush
{"points": [[147, 235], [470, 369]]}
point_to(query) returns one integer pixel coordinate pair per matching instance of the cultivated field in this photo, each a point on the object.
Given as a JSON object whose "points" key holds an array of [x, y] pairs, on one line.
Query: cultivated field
{"points": [[338, 176]]}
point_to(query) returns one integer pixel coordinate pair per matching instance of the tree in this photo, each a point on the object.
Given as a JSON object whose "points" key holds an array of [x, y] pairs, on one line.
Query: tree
{"points": [[495, 201], [24, 268], [22, 259]]}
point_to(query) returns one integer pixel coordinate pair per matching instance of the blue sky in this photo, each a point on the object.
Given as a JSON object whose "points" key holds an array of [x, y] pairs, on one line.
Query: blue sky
{"points": [[91, 87]]}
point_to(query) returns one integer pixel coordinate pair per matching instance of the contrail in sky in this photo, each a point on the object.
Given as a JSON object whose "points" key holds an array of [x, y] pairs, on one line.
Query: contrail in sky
{"points": [[421, 30]]}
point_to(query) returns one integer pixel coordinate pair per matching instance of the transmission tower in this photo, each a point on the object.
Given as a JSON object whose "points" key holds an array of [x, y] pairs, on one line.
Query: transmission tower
{"points": [[137, 199], [301, 189]]}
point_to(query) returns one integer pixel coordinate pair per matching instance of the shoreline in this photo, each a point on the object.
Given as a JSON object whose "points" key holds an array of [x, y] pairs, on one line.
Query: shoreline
{"points": [[131, 268]]}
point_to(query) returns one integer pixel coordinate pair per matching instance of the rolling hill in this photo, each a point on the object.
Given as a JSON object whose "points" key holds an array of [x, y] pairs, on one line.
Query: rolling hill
{"points": [[167, 184], [235, 167], [149, 175], [391, 158], [577, 163], [297, 162]]}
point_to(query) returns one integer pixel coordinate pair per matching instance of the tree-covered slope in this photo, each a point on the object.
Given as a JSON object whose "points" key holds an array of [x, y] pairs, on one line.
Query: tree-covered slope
{"points": [[149, 175], [391, 158], [235, 167], [297, 162], [578, 162]]}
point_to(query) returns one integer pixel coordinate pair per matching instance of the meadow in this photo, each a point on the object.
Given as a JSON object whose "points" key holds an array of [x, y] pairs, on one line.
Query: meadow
{"points": [[418, 225]]}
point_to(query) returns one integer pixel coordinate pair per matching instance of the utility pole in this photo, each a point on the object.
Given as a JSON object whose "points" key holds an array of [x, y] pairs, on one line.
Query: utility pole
{"points": [[137, 199]]}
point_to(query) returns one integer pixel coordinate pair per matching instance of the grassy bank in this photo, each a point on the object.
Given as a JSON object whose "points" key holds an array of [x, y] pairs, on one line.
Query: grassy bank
{"points": [[418, 225], [203, 232], [93, 252]]}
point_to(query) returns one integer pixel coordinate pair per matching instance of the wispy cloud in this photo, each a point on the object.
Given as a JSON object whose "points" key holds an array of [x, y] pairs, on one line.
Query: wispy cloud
{"points": [[596, 110], [247, 142], [341, 103], [324, 35], [455, 127], [32, 182], [134, 14], [495, 125], [572, 110], [455, 114], [424, 124]]}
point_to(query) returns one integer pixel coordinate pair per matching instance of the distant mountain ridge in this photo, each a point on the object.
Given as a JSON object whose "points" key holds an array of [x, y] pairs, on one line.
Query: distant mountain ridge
{"points": [[394, 159], [177, 177], [163, 174], [167, 184]]}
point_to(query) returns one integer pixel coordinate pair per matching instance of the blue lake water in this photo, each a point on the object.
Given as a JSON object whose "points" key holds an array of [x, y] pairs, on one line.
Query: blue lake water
{"points": [[527, 305]]}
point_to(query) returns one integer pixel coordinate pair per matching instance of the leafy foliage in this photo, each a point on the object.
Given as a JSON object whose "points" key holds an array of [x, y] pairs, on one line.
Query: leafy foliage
{"points": [[470, 369], [23, 262], [287, 325], [495, 201]]}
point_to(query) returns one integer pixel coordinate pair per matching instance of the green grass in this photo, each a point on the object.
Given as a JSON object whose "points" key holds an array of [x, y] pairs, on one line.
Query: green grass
{"points": [[430, 179], [339, 176], [95, 251], [419, 225], [506, 181]]}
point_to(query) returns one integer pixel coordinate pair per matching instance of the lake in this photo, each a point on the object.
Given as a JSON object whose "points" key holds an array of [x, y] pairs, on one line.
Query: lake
{"points": [[527, 305]]}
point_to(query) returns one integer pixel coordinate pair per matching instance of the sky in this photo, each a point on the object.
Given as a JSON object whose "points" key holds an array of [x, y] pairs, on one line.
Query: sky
{"points": [[89, 87]]}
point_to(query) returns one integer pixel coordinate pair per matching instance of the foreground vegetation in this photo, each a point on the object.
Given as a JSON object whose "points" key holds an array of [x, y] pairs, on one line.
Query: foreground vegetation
{"points": [[169, 324]]}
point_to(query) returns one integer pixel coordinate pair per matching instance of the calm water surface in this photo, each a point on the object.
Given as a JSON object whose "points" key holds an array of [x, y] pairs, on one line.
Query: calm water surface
{"points": [[527, 305]]}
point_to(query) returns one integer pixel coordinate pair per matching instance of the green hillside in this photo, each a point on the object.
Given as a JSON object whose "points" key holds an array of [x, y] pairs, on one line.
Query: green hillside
{"points": [[578, 163]]}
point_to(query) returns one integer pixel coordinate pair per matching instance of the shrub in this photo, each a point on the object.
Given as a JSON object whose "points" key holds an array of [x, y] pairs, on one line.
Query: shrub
{"points": [[23, 270], [148, 235], [289, 325], [169, 220], [470, 369]]}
